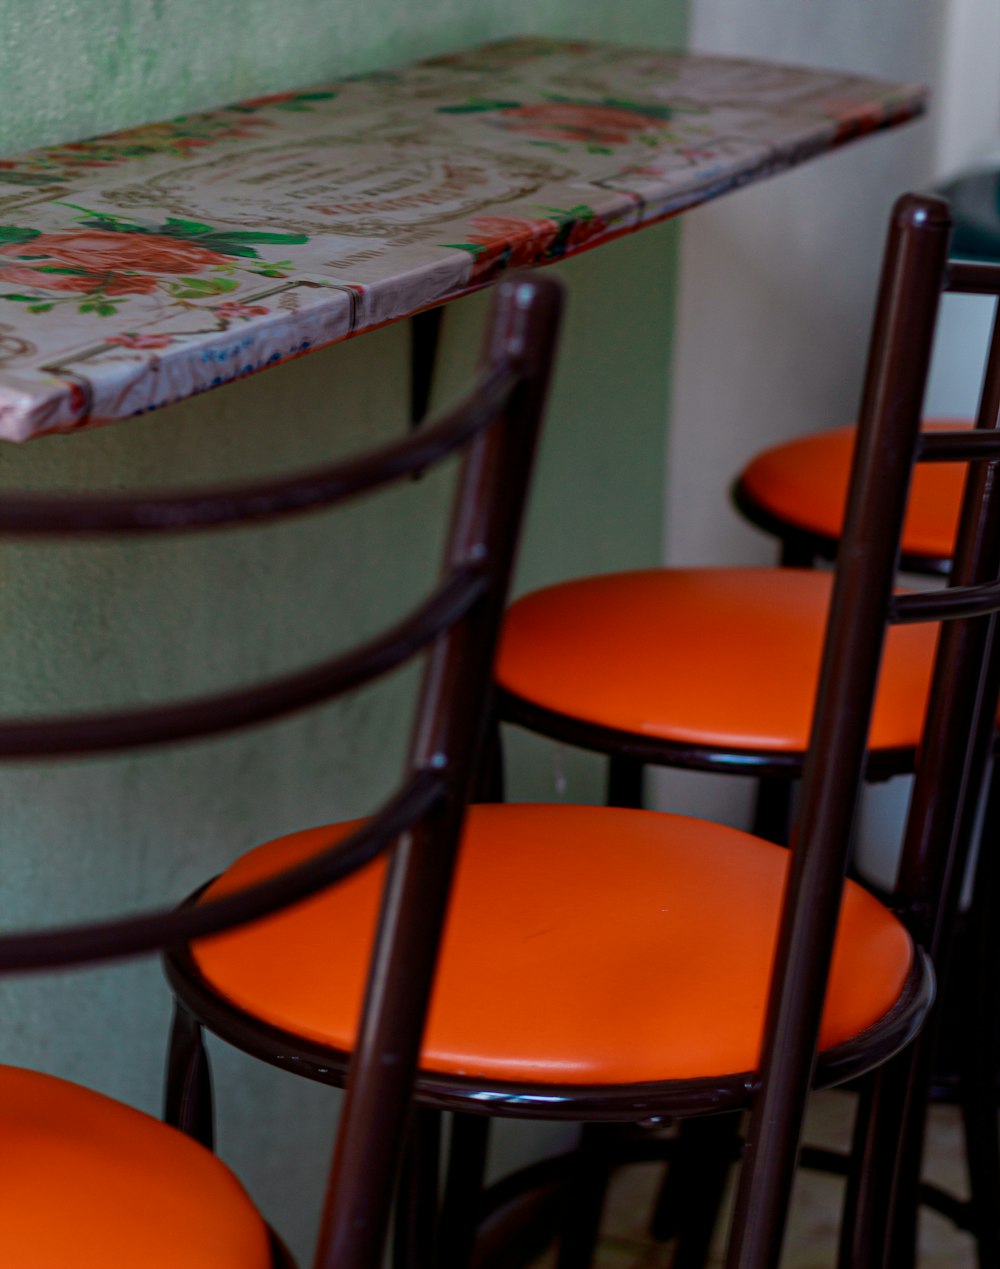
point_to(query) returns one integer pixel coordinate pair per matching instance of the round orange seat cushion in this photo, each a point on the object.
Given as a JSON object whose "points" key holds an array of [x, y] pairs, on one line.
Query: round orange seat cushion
{"points": [[584, 945], [717, 657], [804, 482], [87, 1183]]}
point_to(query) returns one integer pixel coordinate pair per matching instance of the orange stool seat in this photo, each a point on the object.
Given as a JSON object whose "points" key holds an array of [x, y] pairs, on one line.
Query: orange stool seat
{"points": [[712, 657], [87, 1183], [584, 945], [803, 483]]}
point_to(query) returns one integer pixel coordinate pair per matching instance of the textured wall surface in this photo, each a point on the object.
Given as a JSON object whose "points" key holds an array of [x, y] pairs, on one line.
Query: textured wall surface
{"points": [[71, 68], [83, 624]]}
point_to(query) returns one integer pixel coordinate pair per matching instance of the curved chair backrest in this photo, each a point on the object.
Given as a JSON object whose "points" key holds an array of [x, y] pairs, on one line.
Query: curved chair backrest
{"points": [[962, 707], [495, 429]]}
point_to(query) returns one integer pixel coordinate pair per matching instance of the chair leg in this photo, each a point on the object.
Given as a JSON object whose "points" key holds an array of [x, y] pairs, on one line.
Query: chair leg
{"points": [[980, 1110], [980, 1056], [489, 785], [625, 782], [586, 1194], [594, 1157], [913, 1070], [772, 816], [188, 1094], [416, 1212], [868, 1197], [690, 1198], [281, 1257], [794, 555], [910, 1148], [461, 1208], [880, 1225]]}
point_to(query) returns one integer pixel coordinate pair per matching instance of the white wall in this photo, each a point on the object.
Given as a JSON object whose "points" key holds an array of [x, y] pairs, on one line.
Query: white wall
{"points": [[968, 109], [776, 282]]}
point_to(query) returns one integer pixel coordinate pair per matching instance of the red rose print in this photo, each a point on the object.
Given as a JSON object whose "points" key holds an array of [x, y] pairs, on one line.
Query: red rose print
{"points": [[583, 230], [526, 240], [110, 283], [101, 249], [519, 241], [567, 121], [853, 118], [233, 308], [141, 341]]}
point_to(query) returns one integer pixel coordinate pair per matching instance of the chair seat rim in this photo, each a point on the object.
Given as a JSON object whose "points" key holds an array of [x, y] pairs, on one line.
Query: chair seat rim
{"points": [[633, 1102], [882, 763], [809, 541]]}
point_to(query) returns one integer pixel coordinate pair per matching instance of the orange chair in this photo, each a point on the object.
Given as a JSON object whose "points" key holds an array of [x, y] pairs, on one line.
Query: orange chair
{"points": [[89, 1182], [716, 670], [613, 964], [797, 492]]}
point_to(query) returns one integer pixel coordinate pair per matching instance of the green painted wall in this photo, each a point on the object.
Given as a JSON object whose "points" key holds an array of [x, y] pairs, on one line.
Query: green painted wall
{"points": [[71, 68], [86, 624]]}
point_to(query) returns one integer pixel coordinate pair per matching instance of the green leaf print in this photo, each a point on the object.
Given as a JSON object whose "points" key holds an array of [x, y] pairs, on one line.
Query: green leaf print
{"points": [[185, 228], [226, 247], [254, 235], [563, 214], [228, 242], [237, 242], [12, 234], [475, 105], [201, 288], [111, 224], [652, 109]]}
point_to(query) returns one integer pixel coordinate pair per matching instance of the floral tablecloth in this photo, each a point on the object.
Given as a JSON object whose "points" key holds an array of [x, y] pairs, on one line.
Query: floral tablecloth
{"points": [[139, 268]]}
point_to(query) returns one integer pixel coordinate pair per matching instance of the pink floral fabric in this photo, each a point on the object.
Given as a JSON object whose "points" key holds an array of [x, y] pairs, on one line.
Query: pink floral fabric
{"points": [[99, 251], [153, 263]]}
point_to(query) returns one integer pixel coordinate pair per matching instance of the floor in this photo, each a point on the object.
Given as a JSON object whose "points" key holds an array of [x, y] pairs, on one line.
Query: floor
{"points": [[812, 1233]]}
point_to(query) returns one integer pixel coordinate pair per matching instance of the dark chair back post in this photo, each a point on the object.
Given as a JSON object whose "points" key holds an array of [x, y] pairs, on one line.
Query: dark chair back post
{"points": [[951, 771], [912, 277], [448, 739], [958, 723]]}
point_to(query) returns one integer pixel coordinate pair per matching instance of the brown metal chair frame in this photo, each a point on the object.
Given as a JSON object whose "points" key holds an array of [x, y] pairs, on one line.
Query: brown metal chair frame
{"points": [[495, 429], [972, 990], [914, 273], [971, 568]]}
